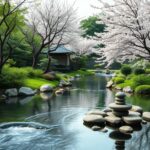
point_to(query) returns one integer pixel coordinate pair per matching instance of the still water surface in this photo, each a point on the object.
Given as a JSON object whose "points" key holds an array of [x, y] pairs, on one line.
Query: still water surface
{"points": [[63, 116]]}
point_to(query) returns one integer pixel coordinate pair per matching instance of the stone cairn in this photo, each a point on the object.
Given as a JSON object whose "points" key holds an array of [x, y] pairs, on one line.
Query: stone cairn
{"points": [[120, 108], [121, 117]]}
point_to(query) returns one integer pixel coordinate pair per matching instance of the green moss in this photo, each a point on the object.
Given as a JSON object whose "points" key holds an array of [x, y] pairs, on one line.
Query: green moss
{"points": [[143, 90]]}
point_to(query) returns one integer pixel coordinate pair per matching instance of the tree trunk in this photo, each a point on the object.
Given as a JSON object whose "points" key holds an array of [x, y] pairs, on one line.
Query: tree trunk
{"points": [[34, 61], [48, 65], [1, 67]]}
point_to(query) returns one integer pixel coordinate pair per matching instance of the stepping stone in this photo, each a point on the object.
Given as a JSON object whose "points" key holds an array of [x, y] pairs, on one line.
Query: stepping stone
{"points": [[97, 112], [113, 120], [132, 119], [94, 120], [117, 107], [126, 129], [137, 109], [146, 116]]}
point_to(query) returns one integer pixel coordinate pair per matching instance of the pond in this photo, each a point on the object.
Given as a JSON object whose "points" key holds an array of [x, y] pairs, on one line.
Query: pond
{"points": [[58, 120]]}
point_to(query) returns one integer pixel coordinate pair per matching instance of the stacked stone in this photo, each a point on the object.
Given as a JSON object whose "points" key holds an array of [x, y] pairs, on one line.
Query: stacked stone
{"points": [[120, 108]]}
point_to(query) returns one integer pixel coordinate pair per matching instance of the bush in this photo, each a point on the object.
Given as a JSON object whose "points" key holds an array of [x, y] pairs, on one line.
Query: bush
{"points": [[138, 71], [143, 89], [119, 80], [147, 71], [126, 70], [141, 80], [12, 77], [33, 73]]}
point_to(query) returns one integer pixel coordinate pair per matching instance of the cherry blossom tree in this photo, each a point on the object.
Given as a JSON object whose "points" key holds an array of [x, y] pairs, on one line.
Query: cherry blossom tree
{"points": [[127, 35], [83, 46], [50, 24]]}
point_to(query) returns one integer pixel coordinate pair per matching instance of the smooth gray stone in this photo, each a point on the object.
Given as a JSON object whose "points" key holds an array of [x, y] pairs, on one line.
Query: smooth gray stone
{"points": [[46, 88], [146, 116], [96, 128], [94, 120], [120, 113], [11, 92], [126, 129], [132, 119], [120, 107], [118, 136], [97, 112], [120, 95], [113, 120], [137, 109]]}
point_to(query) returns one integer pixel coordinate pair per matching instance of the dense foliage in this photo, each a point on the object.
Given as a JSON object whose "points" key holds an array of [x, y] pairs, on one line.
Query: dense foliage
{"points": [[126, 70]]}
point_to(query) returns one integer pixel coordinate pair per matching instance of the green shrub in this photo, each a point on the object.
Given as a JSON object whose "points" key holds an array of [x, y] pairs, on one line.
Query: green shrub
{"points": [[143, 89], [33, 73], [119, 80], [126, 70], [138, 71], [12, 77], [147, 71], [141, 80]]}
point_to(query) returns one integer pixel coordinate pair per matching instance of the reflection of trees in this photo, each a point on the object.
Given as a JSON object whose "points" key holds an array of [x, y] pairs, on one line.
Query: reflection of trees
{"points": [[140, 140]]}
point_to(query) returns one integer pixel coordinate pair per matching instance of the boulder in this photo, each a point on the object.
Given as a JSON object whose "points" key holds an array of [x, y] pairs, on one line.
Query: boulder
{"points": [[126, 129], [132, 120], [137, 109], [46, 88], [113, 120], [3, 97], [109, 84], [94, 120], [65, 83], [118, 88], [11, 92], [59, 92], [146, 116], [127, 89], [26, 91]]}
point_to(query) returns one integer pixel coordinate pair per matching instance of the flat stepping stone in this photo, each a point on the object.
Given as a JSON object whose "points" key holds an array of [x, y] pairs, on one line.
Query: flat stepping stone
{"points": [[146, 116], [126, 129], [97, 112], [132, 119], [113, 120], [137, 109], [120, 107], [93, 120]]}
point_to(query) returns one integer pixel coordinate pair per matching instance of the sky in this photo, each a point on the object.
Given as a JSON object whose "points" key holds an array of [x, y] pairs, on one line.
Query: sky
{"points": [[85, 9]]}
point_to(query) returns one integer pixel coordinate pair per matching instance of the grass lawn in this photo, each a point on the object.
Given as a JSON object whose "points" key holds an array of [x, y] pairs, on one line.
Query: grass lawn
{"points": [[35, 83]]}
